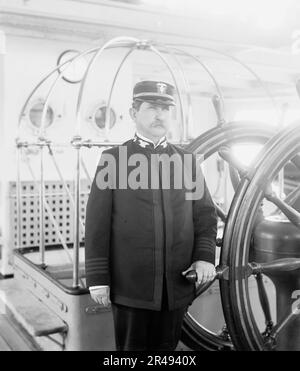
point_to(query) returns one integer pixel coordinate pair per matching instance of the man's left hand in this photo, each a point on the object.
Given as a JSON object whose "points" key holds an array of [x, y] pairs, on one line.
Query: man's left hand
{"points": [[205, 271]]}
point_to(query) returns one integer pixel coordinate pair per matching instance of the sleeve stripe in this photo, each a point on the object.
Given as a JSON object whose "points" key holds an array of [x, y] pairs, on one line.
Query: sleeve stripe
{"points": [[200, 239], [96, 259], [93, 264], [96, 271], [205, 243], [205, 248]]}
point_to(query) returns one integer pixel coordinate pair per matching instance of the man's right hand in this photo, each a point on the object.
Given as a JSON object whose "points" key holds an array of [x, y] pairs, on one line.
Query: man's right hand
{"points": [[101, 295]]}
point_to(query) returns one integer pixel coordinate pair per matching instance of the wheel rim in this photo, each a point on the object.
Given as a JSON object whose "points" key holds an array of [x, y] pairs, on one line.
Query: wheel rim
{"points": [[194, 334], [236, 302]]}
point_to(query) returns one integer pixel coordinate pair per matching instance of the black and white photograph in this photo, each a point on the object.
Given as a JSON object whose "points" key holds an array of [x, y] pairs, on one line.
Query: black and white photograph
{"points": [[149, 178]]}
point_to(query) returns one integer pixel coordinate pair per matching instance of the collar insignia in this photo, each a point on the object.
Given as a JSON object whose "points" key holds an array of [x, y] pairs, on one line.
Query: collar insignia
{"points": [[144, 144], [164, 143]]}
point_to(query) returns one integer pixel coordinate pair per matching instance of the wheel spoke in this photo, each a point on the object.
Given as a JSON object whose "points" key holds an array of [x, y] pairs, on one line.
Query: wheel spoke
{"points": [[288, 211], [200, 289], [293, 196], [290, 317], [226, 155], [264, 301], [296, 161], [275, 266], [221, 273], [220, 212], [234, 177]]}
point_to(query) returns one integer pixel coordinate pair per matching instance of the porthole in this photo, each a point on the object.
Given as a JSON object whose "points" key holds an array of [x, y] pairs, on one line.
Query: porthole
{"points": [[35, 115], [100, 117]]}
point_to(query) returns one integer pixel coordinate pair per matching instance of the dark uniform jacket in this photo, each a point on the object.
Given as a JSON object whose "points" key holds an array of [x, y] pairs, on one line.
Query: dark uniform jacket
{"points": [[137, 237]]}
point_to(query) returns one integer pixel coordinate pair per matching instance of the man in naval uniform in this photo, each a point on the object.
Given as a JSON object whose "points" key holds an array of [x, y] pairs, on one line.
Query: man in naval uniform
{"points": [[141, 241]]}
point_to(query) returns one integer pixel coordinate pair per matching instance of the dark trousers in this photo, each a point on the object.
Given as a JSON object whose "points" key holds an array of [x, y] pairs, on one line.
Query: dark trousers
{"points": [[143, 329]]}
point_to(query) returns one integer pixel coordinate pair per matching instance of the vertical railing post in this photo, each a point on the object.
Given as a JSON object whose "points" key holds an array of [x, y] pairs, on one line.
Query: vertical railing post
{"points": [[19, 195], [41, 204], [77, 145]]}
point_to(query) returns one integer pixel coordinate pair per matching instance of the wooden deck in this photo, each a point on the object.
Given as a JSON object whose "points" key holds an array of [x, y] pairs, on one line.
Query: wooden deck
{"points": [[13, 337]]}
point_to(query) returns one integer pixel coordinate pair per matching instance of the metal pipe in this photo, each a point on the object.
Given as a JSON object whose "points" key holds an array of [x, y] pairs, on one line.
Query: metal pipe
{"points": [[55, 225], [65, 68], [19, 197], [189, 112], [219, 110], [45, 144], [52, 156], [76, 218], [46, 78], [207, 70], [53, 86], [130, 42], [107, 117], [159, 54], [86, 143], [72, 59], [41, 206], [60, 236], [244, 65], [89, 144], [86, 171]]}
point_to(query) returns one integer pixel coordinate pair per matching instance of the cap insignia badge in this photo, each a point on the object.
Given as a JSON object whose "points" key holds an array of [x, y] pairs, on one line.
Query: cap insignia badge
{"points": [[161, 87]]}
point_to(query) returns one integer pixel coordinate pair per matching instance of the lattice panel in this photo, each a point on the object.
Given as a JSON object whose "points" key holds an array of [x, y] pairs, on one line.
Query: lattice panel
{"points": [[60, 205]]}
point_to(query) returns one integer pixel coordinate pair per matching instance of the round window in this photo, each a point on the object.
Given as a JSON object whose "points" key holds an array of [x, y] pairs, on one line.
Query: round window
{"points": [[35, 115], [100, 117]]}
